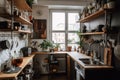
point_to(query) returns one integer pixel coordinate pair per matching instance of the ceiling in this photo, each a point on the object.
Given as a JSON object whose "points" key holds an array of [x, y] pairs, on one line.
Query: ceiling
{"points": [[63, 4]]}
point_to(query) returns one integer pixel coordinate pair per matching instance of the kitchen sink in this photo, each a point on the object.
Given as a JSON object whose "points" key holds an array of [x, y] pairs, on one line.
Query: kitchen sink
{"points": [[91, 62]]}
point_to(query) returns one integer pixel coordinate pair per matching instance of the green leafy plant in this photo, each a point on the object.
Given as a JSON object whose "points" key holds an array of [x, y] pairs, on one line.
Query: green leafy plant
{"points": [[57, 45], [29, 2], [80, 43], [46, 44]]}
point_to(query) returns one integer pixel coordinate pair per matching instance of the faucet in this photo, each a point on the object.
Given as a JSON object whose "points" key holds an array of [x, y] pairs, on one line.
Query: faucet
{"points": [[96, 57]]}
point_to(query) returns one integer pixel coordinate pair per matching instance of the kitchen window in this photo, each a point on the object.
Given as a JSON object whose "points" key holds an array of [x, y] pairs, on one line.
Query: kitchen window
{"points": [[63, 28]]}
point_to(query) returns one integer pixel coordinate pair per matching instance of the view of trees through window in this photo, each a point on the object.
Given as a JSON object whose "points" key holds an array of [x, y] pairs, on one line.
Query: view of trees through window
{"points": [[64, 27]]}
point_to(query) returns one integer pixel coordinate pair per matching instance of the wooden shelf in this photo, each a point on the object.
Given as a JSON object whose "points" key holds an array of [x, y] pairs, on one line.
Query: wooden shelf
{"points": [[17, 31], [93, 16], [16, 18], [5, 30], [22, 20], [92, 33], [22, 5], [23, 31]]}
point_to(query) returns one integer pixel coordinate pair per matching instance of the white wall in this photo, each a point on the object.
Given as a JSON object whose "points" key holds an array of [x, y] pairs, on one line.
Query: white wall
{"points": [[41, 12]]}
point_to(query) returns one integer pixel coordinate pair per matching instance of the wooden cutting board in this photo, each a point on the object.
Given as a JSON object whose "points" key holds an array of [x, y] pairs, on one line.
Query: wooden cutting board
{"points": [[107, 56]]}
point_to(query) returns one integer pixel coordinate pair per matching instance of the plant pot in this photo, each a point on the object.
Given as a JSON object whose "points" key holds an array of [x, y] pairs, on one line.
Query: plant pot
{"points": [[69, 48], [46, 50], [55, 49]]}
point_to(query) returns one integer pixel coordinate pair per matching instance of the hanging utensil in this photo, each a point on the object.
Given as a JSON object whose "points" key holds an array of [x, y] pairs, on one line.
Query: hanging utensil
{"points": [[4, 44], [12, 43], [16, 43]]}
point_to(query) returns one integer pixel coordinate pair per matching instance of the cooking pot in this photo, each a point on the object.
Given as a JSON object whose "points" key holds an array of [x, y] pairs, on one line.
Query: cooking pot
{"points": [[4, 44], [99, 28]]}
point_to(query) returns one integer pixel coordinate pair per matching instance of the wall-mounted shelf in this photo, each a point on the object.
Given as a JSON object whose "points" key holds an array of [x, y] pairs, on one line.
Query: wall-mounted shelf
{"points": [[22, 5], [5, 30], [23, 31], [92, 33], [17, 18], [22, 20], [93, 16], [16, 31]]}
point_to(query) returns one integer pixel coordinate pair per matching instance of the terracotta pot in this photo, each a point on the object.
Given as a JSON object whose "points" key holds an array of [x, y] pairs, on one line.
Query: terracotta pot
{"points": [[55, 49], [69, 48]]}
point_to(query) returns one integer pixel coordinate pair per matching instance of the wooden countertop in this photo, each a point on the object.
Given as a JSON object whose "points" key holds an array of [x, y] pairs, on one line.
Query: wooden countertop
{"points": [[76, 56], [26, 60], [45, 52]]}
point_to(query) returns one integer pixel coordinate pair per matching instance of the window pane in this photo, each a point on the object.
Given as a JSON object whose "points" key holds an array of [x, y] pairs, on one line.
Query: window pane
{"points": [[73, 38], [72, 22], [58, 21], [58, 37]]}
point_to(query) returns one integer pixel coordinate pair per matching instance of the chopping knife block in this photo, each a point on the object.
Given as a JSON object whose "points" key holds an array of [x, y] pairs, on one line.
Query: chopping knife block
{"points": [[107, 56]]}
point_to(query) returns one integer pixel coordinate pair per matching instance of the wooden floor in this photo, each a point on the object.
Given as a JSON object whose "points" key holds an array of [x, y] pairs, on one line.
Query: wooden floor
{"points": [[53, 77]]}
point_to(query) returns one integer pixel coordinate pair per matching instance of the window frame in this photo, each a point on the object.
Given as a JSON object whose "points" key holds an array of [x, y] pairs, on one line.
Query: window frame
{"points": [[66, 24]]}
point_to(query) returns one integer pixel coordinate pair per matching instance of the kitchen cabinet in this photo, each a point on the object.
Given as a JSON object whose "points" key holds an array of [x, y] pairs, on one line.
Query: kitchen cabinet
{"points": [[51, 63], [88, 72], [23, 19]]}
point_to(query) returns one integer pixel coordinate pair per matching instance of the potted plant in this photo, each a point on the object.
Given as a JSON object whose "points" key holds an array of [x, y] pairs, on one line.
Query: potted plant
{"points": [[30, 2], [80, 42], [45, 45], [56, 46]]}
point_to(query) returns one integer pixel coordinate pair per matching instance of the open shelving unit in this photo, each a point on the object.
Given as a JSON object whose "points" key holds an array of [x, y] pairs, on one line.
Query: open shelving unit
{"points": [[16, 31], [93, 16], [21, 5], [23, 31], [17, 18], [92, 33], [22, 20]]}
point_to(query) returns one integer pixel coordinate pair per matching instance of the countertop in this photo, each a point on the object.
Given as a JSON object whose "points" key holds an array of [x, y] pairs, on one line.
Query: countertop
{"points": [[26, 60], [76, 56]]}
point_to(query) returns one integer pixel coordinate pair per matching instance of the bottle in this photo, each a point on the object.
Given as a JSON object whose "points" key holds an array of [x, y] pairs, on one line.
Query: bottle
{"points": [[29, 51]]}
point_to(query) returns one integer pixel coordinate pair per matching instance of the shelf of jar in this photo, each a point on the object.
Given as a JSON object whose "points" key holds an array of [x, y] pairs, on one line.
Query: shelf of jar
{"points": [[92, 33], [22, 20], [16, 18], [24, 31], [16, 31], [93, 16], [22, 5]]}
